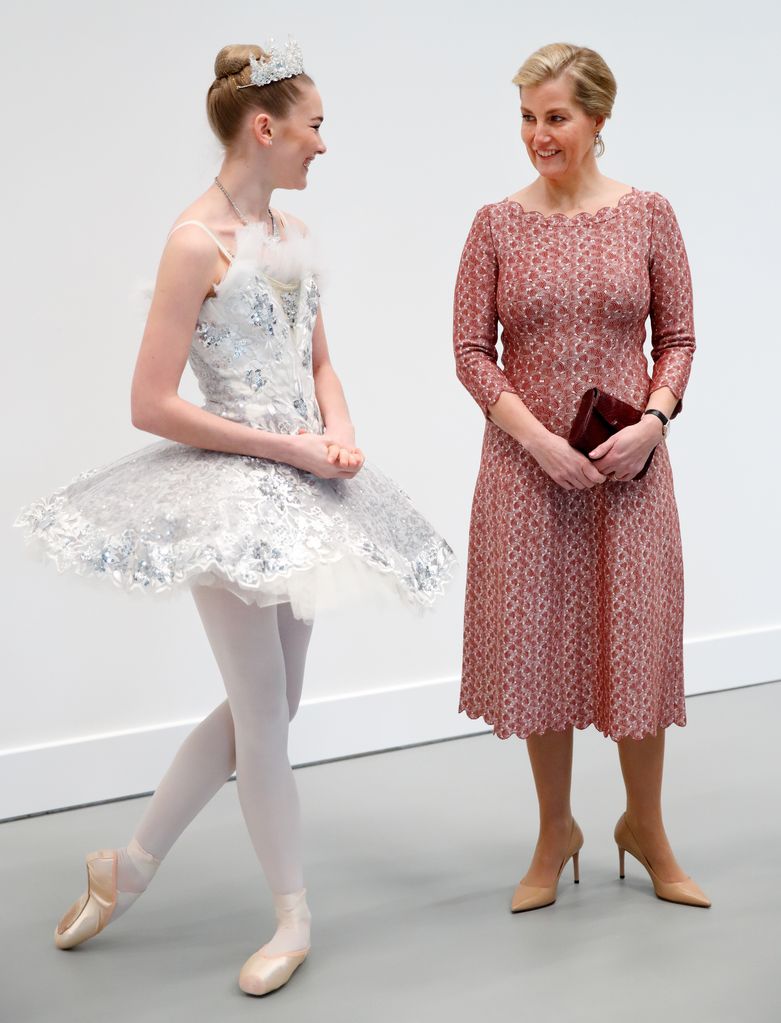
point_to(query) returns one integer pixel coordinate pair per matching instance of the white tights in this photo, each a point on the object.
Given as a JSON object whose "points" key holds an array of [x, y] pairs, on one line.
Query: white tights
{"points": [[261, 653]]}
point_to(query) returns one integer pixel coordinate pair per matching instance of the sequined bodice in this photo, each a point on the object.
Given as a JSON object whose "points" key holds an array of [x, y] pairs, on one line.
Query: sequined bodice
{"points": [[252, 347]]}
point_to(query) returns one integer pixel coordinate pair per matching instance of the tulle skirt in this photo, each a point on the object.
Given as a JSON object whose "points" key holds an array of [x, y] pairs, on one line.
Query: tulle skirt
{"points": [[170, 516]]}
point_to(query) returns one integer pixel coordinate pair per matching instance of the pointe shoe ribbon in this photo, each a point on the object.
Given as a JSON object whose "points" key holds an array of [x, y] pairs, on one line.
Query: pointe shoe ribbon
{"points": [[90, 913], [528, 896], [686, 893]]}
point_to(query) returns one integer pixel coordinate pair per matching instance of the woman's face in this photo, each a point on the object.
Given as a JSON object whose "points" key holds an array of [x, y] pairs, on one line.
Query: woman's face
{"points": [[557, 133], [296, 140]]}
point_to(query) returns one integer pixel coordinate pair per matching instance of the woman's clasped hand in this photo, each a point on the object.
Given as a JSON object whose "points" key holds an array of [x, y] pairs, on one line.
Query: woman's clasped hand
{"points": [[623, 455], [619, 458]]}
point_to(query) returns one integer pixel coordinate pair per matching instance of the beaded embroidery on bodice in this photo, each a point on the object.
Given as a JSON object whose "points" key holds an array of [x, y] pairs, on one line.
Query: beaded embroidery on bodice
{"points": [[251, 351]]}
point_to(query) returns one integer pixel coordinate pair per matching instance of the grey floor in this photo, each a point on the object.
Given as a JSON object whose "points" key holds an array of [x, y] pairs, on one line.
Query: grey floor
{"points": [[412, 858]]}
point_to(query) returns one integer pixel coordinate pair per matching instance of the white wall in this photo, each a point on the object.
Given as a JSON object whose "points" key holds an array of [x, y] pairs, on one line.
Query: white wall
{"points": [[106, 140]]}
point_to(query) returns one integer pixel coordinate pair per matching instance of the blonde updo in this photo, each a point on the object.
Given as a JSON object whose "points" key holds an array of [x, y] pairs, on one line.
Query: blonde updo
{"points": [[227, 105], [593, 85]]}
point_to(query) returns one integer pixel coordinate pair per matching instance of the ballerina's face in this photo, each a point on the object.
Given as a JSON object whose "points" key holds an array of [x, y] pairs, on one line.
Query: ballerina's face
{"points": [[297, 140], [558, 134]]}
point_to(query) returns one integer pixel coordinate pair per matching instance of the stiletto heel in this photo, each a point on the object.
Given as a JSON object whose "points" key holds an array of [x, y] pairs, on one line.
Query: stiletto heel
{"points": [[528, 896], [686, 893]]}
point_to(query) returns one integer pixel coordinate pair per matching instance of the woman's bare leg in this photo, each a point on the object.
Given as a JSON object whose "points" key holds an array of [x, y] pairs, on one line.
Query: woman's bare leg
{"points": [[642, 765], [551, 761]]}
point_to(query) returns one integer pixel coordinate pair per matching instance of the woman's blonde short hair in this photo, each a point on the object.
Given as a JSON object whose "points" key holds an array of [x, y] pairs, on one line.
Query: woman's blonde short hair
{"points": [[226, 105], [593, 85]]}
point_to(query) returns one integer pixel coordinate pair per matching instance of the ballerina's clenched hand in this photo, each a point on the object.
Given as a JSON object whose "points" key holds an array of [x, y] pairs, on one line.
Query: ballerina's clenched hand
{"points": [[348, 458], [341, 448], [340, 438]]}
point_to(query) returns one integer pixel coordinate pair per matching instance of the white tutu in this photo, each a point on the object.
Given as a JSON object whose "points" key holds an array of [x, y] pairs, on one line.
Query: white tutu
{"points": [[169, 515]]}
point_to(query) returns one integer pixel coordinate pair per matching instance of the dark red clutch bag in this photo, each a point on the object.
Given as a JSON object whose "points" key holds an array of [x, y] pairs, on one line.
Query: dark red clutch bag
{"points": [[599, 416]]}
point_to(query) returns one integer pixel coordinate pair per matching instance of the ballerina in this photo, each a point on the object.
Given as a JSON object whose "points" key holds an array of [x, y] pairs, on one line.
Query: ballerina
{"points": [[259, 501]]}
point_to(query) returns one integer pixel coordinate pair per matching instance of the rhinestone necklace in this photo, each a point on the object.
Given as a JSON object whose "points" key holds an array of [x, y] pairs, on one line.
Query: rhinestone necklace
{"points": [[238, 212]]}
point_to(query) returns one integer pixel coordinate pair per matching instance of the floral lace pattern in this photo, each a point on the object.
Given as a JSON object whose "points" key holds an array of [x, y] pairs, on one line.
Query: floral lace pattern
{"points": [[574, 607]]}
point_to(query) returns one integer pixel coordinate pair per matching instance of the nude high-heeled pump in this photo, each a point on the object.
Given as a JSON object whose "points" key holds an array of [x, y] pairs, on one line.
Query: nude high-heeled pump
{"points": [[528, 896], [90, 913], [687, 893]]}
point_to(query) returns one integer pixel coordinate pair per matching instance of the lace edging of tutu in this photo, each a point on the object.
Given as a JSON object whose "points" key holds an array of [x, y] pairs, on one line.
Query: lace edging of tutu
{"points": [[288, 585]]}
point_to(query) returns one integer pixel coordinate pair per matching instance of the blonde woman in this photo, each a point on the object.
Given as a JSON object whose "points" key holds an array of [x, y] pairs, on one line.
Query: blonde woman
{"points": [[259, 501], [574, 605]]}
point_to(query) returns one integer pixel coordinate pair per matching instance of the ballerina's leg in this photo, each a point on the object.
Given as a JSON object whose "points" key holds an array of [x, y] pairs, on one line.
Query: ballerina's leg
{"points": [[294, 634], [256, 649], [202, 765], [268, 647], [204, 762]]}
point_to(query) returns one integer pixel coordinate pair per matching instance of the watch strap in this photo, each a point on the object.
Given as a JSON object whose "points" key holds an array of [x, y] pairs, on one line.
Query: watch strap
{"points": [[658, 414]]}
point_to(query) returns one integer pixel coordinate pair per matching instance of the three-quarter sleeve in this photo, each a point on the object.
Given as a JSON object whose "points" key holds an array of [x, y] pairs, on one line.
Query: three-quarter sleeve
{"points": [[672, 318], [475, 318]]}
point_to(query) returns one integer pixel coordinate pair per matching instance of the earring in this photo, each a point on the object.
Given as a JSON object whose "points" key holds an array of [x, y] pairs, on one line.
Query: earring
{"points": [[599, 144]]}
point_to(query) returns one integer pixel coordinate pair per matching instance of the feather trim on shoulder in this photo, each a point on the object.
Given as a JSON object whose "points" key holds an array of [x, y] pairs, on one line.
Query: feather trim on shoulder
{"points": [[287, 260]]}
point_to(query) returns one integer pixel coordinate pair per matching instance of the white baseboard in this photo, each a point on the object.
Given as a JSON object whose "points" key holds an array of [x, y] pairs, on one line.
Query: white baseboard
{"points": [[732, 660], [102, 767]]}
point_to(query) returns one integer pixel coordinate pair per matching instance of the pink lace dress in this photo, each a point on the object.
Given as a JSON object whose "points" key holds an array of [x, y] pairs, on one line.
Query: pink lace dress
{"points": [[574, 603]]}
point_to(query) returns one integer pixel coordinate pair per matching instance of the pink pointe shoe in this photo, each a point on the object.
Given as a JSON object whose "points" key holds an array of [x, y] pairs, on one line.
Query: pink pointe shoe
{"points": [[264, 971], [262, 974], [90, 913]]}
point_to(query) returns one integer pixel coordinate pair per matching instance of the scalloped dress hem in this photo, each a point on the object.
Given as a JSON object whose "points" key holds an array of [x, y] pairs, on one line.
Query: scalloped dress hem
{"points": [[580, 723]]}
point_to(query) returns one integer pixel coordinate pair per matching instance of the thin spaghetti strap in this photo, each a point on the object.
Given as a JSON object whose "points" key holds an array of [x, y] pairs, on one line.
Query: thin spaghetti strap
{"points": [[228, 255]]}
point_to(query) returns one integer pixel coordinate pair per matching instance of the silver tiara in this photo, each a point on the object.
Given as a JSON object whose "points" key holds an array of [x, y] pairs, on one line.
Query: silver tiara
{"points": [[283, 62]]}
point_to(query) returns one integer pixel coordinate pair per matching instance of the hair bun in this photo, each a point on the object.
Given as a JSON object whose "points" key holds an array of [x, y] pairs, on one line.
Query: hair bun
{"points": [[229, 99], [234, 58]]}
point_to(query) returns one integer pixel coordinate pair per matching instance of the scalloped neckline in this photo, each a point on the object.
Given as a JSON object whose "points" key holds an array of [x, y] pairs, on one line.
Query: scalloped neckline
{"points": [[603, 213]]}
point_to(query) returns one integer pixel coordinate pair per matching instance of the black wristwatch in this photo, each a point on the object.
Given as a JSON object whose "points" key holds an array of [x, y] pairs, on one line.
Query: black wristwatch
{"points": [[659, 415]]}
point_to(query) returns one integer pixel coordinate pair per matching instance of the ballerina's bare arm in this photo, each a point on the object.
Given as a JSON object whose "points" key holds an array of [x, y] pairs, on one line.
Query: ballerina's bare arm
{"points": [[339, 430], [185, 276]]}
